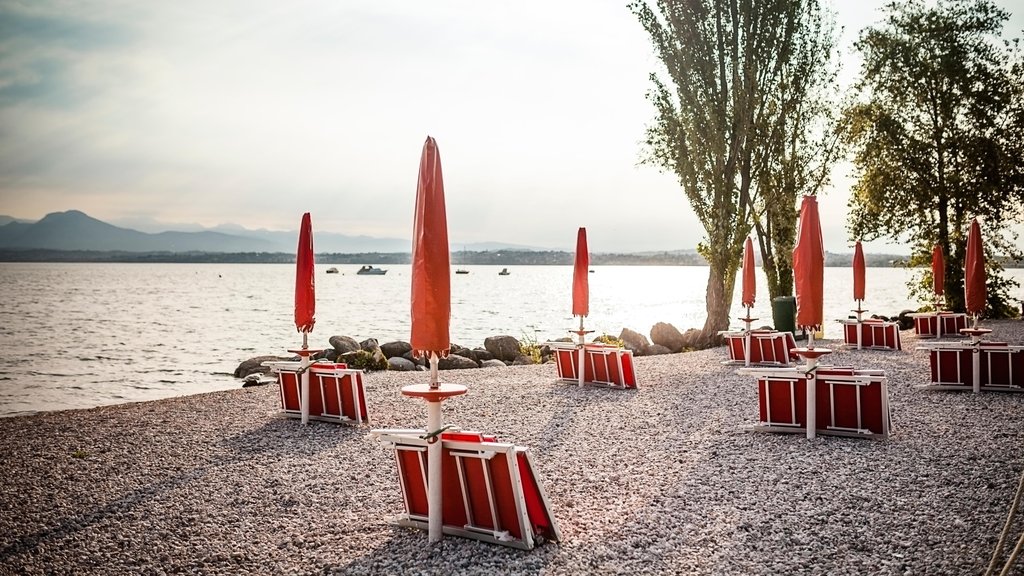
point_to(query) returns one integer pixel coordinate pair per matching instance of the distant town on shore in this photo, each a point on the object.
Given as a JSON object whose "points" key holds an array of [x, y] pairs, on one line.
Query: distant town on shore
{"points": [[73, 236]]}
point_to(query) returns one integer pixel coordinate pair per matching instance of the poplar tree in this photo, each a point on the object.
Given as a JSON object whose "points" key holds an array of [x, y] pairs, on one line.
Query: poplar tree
{"points": [[742, 122]]}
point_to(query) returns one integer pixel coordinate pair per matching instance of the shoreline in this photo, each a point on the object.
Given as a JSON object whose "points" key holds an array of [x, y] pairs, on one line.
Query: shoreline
{"points": [[658, 480]]}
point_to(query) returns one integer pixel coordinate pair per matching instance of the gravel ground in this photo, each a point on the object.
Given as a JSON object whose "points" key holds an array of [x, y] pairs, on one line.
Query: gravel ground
{"points": [[660, 480]]}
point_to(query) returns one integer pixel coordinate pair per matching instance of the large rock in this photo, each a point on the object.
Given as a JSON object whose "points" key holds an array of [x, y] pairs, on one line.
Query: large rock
{"points": [[400, 364], [667, 335], [464, 352], [370, 345], [492, 363], [906, 321], [398, 348], [456, 362], [343, 344], [656, 349], [692, 339], [504, 348], [253, 365], [523, 360], [482, 354], [634, 341], [419, 361]]}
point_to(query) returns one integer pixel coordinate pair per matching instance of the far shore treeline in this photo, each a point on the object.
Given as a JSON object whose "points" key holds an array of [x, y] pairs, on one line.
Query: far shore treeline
{"points": [[498, 258]]}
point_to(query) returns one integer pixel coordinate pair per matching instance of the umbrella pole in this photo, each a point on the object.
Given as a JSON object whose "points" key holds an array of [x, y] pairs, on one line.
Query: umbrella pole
{"points": [[434, 512], [812, 396], [859, 327], [580, 370], [433, 371], [304, 379], [746, 345]]}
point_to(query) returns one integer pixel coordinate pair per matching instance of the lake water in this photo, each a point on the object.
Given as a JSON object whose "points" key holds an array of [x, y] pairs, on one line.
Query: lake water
{"points": [[82, 335]]}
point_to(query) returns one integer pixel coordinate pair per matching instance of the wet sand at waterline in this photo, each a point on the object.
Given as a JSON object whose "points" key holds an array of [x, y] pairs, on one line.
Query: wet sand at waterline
{"points": [[659, 480]]}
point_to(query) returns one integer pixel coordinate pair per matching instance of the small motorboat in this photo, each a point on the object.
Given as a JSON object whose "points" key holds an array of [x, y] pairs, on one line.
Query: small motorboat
{"points": [[504, 272], [371, 271], [332, 270], [462, 271]]}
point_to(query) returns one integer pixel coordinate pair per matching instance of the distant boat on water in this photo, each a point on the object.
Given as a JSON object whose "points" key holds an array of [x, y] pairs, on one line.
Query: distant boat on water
{"points": [[462, 271], [371, 271], [332, 270], [504, 272]]}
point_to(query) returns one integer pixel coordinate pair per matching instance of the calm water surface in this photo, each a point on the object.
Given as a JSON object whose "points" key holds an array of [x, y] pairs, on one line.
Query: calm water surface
{"points": [[82, 335]]}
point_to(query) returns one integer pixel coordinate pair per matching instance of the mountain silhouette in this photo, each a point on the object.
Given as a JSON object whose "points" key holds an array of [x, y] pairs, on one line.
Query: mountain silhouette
{"points": [[75, 230]]}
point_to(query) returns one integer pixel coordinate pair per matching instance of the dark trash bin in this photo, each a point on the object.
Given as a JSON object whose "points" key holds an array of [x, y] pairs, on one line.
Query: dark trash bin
{"points": [[784, 313]]}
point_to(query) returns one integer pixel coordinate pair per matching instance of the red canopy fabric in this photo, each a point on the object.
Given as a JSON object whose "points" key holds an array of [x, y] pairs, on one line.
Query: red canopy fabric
{"points": [[305, 293], [809, 267], [858, 272], [749, 284], [974, 271], [431, 273], [938, 271], [580, 276]]}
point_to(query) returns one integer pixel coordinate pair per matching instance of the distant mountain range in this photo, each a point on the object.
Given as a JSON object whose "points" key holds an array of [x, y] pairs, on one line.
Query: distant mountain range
{"points": [[75, 230]]}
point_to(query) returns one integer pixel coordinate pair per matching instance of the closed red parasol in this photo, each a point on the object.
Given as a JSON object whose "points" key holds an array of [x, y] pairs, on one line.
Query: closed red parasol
{"points": [[858, 272], [431, 313], [749, 285], [809, 277], [974, 272], [809, 267], [580, 276], [305, 294], [431, 275], [938, 274], [305, 306]]}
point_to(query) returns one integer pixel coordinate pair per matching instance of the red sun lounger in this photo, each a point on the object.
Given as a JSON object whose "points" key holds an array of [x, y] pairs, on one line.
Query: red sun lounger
{"points": [[336, 392], [874, 334], [849, 402], [939, 324], [767, 347], [491, 491], [603, 365], [1000, 366]]}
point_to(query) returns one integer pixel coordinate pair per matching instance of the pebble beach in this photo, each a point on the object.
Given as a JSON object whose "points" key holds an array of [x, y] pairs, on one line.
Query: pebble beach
{"points": [[665, 479]]}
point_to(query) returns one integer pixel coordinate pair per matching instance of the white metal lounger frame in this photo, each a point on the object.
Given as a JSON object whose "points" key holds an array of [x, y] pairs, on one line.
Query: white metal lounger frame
{"points": [[590, 352], [797, 375], [410, 440], [760, 337], [877, 328], [975, 349]]}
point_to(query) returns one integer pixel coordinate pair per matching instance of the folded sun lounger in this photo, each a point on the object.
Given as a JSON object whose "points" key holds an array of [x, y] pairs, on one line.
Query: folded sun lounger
{"points": [[603, 365], [491, 491], [336, 392]]}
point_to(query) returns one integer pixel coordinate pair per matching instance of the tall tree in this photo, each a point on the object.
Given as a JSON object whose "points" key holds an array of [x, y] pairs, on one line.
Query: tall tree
{"points": [[734, 124], [936, 135]]}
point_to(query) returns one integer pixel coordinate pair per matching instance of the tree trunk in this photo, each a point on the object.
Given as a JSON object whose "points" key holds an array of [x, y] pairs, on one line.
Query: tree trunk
{"points": [[721, 280]]}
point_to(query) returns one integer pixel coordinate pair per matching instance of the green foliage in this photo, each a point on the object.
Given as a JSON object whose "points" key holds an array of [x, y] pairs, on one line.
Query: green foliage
{"points": [[528, 346], [743, 122], [609, 340], [363, 360], [936, 135]]}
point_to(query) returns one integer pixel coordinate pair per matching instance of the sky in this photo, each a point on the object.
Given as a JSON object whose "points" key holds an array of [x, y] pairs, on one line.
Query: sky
{"points": [[252, 112]]}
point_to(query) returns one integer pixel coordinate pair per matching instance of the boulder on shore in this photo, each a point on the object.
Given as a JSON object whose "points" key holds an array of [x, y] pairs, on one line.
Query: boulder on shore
{"points": [[667, 335], [397, 348], [254, 365], [504, 348], [343, 344], [635, 342], [456, 362]]}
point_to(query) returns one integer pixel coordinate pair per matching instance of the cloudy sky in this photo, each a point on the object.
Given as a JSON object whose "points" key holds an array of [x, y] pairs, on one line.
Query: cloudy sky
{"points": [[252, 112]]}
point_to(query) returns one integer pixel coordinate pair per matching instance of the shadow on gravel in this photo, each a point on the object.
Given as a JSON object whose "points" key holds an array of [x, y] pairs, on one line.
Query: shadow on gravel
{"points": [[285, 437], [408, 552]]}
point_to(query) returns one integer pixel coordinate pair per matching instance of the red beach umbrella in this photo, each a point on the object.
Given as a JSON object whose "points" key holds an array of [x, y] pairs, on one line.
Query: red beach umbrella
{"points": [[580, 276], [749, 285], [305, 294], [974, 272], [431, 273], [809, 267], [858, 272], [938, 272]]}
